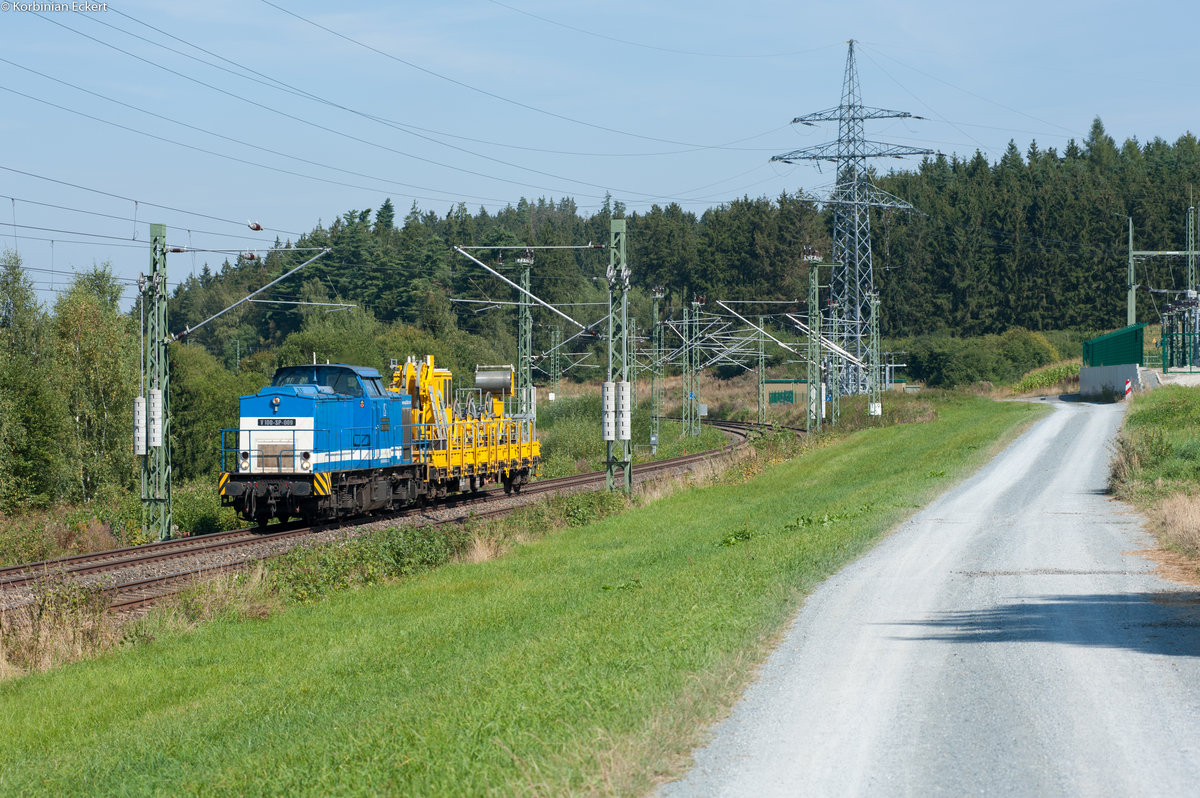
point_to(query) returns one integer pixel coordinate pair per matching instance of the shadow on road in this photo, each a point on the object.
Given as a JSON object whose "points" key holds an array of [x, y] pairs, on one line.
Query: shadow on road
{"points": [[1151, 623], [1074, 398]]}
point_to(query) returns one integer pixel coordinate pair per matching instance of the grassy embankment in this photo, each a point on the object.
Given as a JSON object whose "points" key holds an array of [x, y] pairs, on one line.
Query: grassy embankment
{"points": [[1156, 465], [587, 661]]}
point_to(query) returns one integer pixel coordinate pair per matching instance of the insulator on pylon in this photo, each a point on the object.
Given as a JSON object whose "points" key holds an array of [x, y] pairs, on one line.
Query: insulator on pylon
{"points": [[155, 415], [139, 426], [175, 249]]}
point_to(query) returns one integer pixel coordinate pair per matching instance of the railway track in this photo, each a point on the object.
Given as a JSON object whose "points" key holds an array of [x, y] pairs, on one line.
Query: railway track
{"points": [[135, 576]]}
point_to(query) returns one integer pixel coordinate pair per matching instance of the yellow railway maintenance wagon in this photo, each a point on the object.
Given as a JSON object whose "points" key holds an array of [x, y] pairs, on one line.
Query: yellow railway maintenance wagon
{"points": [[467, 439]]}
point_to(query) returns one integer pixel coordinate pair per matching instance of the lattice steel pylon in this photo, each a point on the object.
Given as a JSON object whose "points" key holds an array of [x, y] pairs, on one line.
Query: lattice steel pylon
{"points": [[620, 450], [633, 361], [156, 385], [689, 389], [761, 341], [524, 374], [695, 368], [556, 342], [691, 369], [853, 279], [834, 367], [812, 389], [656, 372], [874, 362], [1191, 247]]}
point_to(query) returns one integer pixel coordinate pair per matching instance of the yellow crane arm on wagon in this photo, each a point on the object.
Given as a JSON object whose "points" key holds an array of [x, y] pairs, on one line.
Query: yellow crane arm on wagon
{"points": [[469, 438]]}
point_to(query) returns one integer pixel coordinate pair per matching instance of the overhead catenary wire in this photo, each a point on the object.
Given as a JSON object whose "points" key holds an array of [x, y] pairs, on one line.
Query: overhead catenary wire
{"points": [[648, 197], [498, 303], [976, 96], [189, 330], [73, 273], [263, 79], [287, 115], [588, 245], [343, 134], [133, 219], [101, 192], [546, 305], [128, 243], [469, 87], [196, 148]]}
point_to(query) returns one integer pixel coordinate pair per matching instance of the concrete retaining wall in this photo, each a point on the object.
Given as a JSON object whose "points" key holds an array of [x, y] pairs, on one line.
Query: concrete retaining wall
{"points": [[1095, 380]]}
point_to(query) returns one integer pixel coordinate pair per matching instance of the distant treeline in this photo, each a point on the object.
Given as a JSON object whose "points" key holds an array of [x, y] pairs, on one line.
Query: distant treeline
{"points": [[1036, 241]]}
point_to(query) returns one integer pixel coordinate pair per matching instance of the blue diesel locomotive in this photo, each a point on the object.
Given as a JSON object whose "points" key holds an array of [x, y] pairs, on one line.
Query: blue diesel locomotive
{"points": [[325, 441]]}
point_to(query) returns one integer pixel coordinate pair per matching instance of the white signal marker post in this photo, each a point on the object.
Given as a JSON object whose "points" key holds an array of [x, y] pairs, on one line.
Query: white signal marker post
{"points": [[624, 411], [608, 402], [139, 426]]}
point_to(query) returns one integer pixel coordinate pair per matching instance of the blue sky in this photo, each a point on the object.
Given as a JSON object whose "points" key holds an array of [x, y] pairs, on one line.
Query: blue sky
{"points": [[486, 101]]}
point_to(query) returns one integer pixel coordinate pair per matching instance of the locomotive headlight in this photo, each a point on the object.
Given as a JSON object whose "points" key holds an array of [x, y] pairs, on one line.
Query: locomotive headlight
{"points": [[305, 466]]}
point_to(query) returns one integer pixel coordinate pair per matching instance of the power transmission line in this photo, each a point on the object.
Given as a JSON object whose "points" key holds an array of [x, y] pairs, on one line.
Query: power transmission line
{"points": [[476, 89], [351, 136], [275, 83]]}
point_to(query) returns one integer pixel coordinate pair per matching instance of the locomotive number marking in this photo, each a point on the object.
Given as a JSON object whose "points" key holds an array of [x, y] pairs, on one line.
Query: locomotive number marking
{"points": [[277, 422]]}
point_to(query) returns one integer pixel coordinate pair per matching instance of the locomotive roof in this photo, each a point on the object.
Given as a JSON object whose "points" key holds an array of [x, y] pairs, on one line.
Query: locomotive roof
{"points": [[362, 371]]}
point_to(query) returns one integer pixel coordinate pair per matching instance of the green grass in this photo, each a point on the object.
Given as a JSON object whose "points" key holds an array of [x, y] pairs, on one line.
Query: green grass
{"points": [[588, 661], [1158, 450], [569, 431]]}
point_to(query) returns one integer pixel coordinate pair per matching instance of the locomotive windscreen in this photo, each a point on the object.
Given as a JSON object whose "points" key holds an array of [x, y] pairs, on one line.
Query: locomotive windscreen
{"points": [[338, 379]]}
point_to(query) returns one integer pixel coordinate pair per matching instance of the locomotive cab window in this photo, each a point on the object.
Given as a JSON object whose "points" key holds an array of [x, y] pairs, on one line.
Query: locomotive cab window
{"points": [[339, 380], [347, 384]]}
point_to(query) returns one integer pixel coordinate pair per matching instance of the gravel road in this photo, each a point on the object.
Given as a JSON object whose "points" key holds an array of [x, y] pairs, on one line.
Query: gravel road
{"points": [[1006, 640]]}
